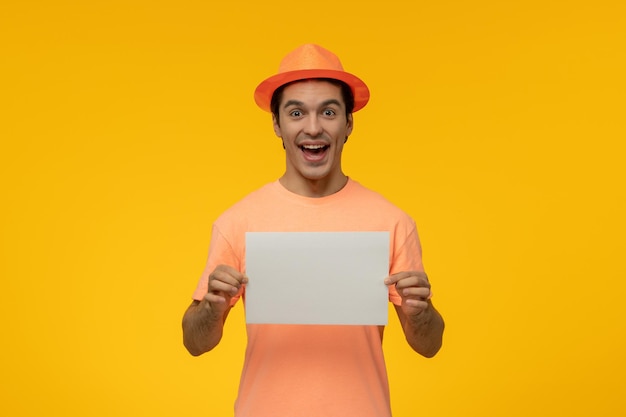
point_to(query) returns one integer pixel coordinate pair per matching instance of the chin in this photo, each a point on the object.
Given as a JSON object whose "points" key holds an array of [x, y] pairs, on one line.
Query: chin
{"points": [[313, 172]]}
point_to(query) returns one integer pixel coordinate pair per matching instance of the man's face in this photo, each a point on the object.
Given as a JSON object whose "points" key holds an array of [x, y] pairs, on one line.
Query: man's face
{"points": [[314, 127]]}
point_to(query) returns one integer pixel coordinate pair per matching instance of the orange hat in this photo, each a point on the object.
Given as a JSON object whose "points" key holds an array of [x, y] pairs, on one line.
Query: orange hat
{"points": [[310, 61]]}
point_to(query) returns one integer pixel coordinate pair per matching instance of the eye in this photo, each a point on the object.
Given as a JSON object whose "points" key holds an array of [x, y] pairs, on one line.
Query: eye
{"points": [[329, 112], [295, 113]]}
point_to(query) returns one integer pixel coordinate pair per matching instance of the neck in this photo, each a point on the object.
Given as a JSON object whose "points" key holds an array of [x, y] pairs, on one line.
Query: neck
{"points": [[314, 188]]}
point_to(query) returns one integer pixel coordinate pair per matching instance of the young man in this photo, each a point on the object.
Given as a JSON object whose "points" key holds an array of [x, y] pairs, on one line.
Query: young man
{"points": [[312, 370]]}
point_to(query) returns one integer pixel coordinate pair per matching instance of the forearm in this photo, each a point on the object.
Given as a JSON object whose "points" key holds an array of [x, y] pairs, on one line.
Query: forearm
{"points": [[202, 328], [424, 331]]}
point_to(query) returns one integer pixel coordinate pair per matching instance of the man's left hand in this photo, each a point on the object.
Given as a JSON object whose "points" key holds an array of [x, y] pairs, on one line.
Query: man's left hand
{"points": [[414, 288]]}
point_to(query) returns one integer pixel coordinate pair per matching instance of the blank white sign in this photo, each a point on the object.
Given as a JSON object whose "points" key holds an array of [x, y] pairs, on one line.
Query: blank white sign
{"points": [[317, 277]]}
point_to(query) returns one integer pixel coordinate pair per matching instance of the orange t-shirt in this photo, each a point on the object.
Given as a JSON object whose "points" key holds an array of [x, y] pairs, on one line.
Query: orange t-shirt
{"points": [[312, 370]]}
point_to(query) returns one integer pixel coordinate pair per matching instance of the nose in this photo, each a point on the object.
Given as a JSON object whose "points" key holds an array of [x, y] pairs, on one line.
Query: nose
{"points": [[313, 126]]}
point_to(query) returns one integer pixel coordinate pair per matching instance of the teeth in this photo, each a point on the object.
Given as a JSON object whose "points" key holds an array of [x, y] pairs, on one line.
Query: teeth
{"points": [[313, 147]]}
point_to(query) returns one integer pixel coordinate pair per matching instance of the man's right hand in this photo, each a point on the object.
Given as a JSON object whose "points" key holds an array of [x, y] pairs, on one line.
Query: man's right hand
{"points": [[224, 283]]}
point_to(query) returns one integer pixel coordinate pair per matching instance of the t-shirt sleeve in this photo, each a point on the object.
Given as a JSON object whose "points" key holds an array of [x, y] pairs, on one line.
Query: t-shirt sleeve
{"points": [[406, 254], [220, 253]]}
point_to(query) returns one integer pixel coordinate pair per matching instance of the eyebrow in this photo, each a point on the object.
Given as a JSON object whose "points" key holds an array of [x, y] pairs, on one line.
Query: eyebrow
{"points": [[292, 103], [300, 103]]}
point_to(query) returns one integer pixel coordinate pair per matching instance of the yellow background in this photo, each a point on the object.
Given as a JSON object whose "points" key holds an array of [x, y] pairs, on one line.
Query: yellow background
{"points": [[127, 126]]}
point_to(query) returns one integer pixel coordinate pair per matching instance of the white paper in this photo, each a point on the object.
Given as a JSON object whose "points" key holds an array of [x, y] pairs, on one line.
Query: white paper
{"points": [[317, 277]]}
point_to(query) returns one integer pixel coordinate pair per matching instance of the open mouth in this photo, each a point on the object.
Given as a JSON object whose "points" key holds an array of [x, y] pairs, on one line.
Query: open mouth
{"points": [[314, 152], [314, 148]]}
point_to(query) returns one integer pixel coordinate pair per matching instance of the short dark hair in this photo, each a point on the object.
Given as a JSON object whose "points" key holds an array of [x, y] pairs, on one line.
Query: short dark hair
{"points": [[346, 93]]}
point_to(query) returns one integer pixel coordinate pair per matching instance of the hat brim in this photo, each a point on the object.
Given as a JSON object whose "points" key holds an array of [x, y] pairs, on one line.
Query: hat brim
{"points": [[265, 90]]}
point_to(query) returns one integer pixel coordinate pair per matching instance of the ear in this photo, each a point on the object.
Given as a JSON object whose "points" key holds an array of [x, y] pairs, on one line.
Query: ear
{"points": [[349, 127], [276, 126]]}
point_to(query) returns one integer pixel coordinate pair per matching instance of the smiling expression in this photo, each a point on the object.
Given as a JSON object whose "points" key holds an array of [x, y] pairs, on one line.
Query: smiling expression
{"points": [[313, 126]]}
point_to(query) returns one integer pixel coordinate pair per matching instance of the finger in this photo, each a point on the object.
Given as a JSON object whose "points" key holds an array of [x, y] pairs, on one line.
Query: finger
{"points": [[422, 293], [217, 303], [222, 279], [412, 281], [215, 298], [392, 279], [228, 275], [418, 304], [401, 276], [219, 287]]}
